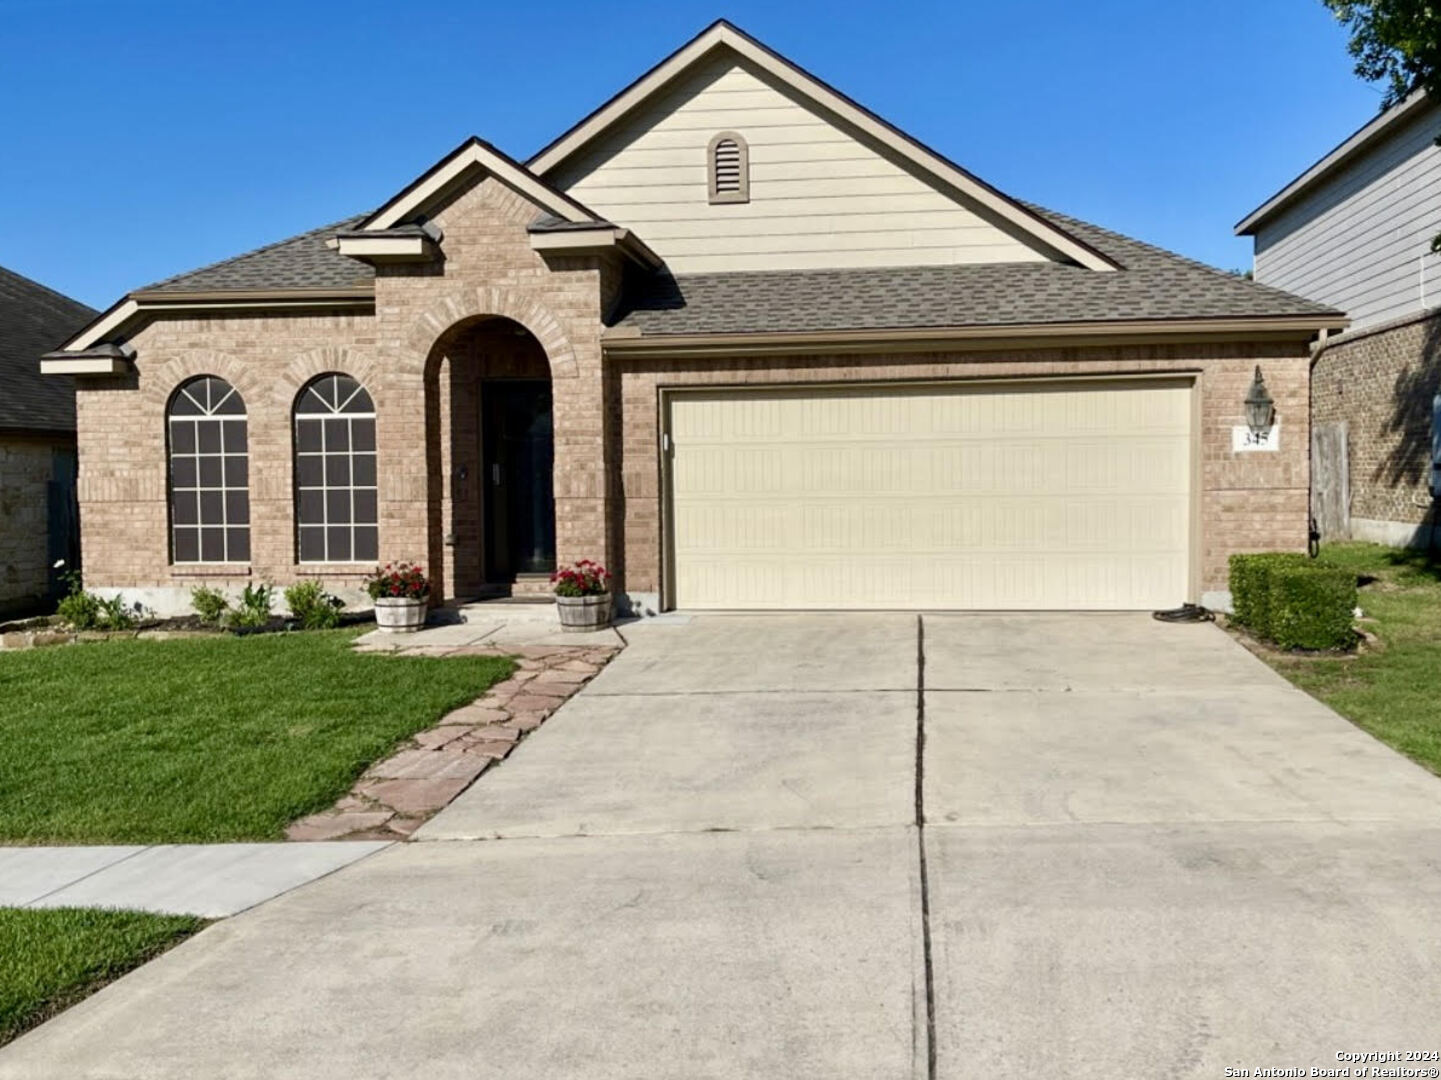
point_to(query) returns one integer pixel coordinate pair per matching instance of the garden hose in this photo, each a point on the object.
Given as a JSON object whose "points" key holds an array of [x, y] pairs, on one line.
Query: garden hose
{"points": [[1184, 613]]}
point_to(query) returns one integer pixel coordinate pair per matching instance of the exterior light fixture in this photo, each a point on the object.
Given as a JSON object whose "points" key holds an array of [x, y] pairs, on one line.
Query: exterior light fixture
{"points": [[1260, 409]]}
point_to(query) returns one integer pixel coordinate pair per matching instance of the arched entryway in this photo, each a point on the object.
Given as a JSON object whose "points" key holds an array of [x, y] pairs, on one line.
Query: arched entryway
{"points": [[491, 453]]}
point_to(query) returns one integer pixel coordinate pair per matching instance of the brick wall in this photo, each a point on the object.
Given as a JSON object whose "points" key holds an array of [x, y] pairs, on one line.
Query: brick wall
{"points": [[1381, 382], [422, 350], [415, 354], [26, 466]]}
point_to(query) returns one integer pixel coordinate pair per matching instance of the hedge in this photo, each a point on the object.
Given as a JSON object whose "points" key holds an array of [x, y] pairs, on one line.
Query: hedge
{"points": [[1293, 601], [1251, 587], [1312, 607]]}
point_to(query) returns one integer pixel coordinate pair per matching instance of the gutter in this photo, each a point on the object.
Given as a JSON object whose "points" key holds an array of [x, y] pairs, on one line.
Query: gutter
{"points": [[627, 342], [133, 305], [169, 298]]}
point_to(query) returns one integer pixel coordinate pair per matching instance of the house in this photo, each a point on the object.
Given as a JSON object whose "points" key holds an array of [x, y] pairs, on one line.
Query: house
{"points": [[37, 444], [732, 335], [1354, 232]]}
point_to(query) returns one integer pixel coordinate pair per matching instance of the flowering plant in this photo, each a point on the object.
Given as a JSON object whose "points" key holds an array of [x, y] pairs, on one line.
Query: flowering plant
{"points": [[585, 578], [403, 579]]}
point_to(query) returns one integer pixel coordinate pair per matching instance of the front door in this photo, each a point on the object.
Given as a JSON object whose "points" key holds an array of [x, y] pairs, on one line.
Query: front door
{"points": [[519, 451]]}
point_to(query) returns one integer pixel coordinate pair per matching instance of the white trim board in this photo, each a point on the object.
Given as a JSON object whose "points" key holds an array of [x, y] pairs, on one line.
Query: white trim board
{"points": [[473, 154]]}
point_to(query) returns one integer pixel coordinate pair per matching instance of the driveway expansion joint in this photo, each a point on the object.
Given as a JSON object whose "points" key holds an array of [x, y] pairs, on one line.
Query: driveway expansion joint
{"points": [[930, 973]]}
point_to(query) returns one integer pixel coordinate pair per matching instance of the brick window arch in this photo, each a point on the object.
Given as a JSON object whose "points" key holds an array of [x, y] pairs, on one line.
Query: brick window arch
{"points": [[209, 473], [336, 508]]}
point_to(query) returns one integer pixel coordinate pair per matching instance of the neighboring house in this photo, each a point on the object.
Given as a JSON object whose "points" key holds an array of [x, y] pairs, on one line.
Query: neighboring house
{"points": [[37, 444], [1354, 232], [732, 335]]}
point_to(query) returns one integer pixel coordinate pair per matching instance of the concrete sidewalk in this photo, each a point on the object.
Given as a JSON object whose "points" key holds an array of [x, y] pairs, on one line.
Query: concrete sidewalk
{"points": [[211, 880]]}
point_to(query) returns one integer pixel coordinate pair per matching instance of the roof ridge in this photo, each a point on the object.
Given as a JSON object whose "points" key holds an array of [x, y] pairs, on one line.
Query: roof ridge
{"points": [[253, 251]]}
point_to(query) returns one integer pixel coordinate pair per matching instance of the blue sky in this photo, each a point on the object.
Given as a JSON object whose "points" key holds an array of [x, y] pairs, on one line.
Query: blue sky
{"points": [[142, 138]]}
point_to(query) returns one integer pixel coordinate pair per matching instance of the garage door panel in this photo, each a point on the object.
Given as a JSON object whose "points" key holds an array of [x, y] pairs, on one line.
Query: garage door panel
{"points": [[1054, 496]]}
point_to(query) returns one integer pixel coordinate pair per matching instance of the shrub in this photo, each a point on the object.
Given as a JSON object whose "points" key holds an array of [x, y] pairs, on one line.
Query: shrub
{"points": [[402, 579], [1251, 586], [254, 607], [210, 604], [114, 615], [80, 610], [313, 606], [1311, 607], [585, 578], [77, 608]]}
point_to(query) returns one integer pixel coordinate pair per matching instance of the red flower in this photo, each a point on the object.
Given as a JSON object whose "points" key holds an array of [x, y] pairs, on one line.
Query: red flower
{"points": [[403, 579], [584, 578]]}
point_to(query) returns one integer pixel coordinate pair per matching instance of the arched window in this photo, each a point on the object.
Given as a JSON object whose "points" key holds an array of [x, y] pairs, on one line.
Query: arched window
{"points": [[209, 473], [336, 513], [728, 161]]}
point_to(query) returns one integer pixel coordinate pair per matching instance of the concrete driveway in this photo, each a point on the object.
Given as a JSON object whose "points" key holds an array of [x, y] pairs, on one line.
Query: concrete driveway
{"points": [[797, 846]]}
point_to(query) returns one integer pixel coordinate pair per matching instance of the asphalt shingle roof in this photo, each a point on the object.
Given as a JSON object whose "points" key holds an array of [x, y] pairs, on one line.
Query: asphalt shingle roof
{"points": [[299, 262], [1151, 284], [34, 320]]}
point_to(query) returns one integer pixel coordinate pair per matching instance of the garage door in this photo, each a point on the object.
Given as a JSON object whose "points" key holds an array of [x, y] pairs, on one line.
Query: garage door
{"points": [[974, 496]]}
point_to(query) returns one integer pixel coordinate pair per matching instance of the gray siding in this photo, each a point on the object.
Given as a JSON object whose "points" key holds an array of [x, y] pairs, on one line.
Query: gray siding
{"points": [[1361, 240]]}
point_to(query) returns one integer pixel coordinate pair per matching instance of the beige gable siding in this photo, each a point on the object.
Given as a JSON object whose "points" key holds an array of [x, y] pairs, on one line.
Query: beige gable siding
{"points": [[819, 195]]}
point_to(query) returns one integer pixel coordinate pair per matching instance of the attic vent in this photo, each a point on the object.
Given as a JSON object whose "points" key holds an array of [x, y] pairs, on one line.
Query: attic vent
{"points": [[729, 169]]}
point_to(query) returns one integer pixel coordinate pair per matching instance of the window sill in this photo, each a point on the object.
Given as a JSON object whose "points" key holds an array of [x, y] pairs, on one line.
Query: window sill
{"points": [[345, 569], [209, 570]]}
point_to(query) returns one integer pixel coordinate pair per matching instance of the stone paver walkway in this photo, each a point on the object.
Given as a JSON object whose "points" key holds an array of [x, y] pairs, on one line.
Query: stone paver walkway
{"points": [[396, 796], [210, 880]]}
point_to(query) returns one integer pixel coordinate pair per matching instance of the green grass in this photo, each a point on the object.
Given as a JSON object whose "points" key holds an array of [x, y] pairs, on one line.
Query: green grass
{"points": [[207, 739], [1394, 691], [50, 959]]}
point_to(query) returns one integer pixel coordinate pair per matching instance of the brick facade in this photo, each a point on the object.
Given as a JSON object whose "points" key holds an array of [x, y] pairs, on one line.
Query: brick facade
{"points": [[1381, 382], [432, 337], [27, 464], [1246, 502]]}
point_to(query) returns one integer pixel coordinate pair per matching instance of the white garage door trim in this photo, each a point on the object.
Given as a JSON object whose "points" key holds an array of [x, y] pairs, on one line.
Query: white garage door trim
{"points": [[801, 482]]}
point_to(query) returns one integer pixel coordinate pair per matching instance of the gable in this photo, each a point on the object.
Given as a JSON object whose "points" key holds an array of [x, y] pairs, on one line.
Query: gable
{"points": [[821, 194]]}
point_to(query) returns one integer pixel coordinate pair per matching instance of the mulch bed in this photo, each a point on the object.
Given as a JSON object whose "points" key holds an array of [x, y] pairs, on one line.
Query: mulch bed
{"points": [[50, 630]]}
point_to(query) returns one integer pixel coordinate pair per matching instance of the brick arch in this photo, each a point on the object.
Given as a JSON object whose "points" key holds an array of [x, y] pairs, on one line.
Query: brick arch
{"points": [[331, 359], [160, 383], [488, 301]]}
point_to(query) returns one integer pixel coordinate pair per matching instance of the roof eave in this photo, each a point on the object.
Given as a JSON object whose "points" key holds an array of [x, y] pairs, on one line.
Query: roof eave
{"points": [[623, 340], [601, 238], [1357, 143], [444, 174], [136, 305]]}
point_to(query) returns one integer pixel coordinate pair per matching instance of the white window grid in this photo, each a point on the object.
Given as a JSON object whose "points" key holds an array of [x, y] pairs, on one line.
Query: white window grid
{"points": [[229, 546], [325, 417]]}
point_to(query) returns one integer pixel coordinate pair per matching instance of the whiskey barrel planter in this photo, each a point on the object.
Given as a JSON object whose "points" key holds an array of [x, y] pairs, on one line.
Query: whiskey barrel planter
{"points": [[581, 613], [399, 614]]}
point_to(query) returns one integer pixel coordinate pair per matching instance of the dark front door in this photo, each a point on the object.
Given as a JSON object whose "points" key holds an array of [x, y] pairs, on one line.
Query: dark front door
{"points": [[519, 450]]}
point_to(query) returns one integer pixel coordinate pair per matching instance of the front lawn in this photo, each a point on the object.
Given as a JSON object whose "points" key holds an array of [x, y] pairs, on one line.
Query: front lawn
{"points": [[205, 740], [50, 959], [1393, 691]]}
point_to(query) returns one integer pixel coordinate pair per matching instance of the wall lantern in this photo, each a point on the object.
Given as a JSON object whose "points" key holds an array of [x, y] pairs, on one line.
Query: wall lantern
{"points": [[1260, 409]]}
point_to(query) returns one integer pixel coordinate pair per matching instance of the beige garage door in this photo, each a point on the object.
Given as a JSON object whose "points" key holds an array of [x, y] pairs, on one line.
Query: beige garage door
{"points": [[974, 496]]}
